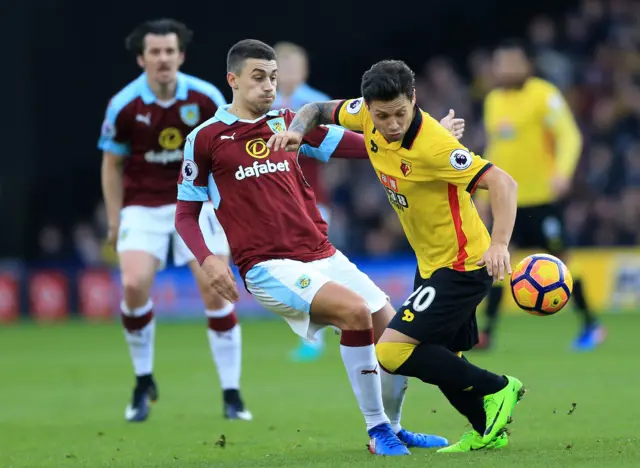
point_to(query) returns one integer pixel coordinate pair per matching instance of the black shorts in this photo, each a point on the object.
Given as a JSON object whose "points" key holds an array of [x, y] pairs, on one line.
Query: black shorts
{"points": [[442, 309], [540, 227]]}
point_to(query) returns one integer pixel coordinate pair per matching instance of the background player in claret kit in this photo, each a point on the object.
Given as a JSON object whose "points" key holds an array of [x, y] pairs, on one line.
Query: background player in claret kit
{"points": [[279, 242], [532, 135], [142, 139], [429, 177], [293, 93]]}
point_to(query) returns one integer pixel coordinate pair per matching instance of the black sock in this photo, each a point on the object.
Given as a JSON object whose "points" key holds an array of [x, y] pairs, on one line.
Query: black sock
{"points": [[470, 406], [581, 304], [437, 365], [493, 307], [232, 397], [143, 382]]}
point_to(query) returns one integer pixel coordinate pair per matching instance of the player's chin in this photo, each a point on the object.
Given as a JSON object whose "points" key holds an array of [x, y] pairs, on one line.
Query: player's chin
{"points": [[392, 137], [263, 106]]}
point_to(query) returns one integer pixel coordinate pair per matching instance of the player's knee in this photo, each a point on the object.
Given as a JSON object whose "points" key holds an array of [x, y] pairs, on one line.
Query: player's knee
{"points": [[213, 301], [355, 316], [391, 355], [135, 289]]}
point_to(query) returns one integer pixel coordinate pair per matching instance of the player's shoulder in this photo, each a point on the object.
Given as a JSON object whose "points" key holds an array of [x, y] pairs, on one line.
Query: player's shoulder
{"points": [[207, 130], [203, 87], [540, 86], [431, 138], [125, 96]]}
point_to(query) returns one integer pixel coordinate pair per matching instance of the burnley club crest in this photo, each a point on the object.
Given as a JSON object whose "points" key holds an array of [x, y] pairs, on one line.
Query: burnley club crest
{"points": [[190, 114]]}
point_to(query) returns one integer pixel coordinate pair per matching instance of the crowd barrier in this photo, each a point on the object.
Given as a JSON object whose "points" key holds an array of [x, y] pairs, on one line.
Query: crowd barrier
{"points": [[611, 278]]}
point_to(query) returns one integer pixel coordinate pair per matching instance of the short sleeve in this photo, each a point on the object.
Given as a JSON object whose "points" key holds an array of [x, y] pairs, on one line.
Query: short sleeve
{"points": [[113, 135], [194, 180], [351, 114], [321, 142]]}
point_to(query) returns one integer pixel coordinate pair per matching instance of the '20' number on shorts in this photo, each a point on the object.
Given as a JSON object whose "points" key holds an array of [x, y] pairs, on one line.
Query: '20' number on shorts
{"points": [[422, 298]]}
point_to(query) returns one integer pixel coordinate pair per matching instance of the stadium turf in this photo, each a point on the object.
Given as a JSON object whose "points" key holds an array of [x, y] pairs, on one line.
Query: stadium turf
{"points": [[63, 390]]}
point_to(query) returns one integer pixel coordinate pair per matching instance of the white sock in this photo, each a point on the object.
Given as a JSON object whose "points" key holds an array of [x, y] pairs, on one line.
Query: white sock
{"points": [[141, 342], [364, 374], [226, 349], [394, 388]]}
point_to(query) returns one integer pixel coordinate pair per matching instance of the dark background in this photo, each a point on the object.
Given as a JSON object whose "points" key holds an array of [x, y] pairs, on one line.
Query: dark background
{"points": [[67, 58]]}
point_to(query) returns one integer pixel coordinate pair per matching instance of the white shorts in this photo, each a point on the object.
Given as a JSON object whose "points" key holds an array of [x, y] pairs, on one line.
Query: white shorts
{"points": [[287, 288], [151, 230]]}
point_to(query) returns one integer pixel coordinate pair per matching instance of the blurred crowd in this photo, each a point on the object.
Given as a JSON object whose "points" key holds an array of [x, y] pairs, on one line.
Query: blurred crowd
{"points": [[592, 55]]}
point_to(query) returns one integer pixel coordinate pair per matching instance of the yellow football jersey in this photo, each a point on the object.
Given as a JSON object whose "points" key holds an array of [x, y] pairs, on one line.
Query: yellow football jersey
{"points": [[429, 178], [532, 135]]}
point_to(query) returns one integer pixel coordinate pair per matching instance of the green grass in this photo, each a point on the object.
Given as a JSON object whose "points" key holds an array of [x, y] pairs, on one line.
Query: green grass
{"points": [[63, 390]]}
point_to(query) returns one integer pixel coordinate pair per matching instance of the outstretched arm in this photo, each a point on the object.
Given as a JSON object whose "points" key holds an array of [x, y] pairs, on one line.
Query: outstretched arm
{"points": [[306, 119], [314, 114]]}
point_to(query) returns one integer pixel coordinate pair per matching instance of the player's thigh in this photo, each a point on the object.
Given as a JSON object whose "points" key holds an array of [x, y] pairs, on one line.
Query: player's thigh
{"points": [[441, 306], [342, 271], [144, 229], [212, 300], [287, 288], [214, 237]]}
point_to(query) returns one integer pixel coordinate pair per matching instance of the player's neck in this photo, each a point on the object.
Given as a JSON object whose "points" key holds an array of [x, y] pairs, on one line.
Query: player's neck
{"points": [[163, 92], [242, 112]]}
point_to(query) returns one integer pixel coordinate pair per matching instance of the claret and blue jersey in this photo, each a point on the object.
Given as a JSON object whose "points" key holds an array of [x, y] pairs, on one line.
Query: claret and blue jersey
{"points": [[263, 202]]}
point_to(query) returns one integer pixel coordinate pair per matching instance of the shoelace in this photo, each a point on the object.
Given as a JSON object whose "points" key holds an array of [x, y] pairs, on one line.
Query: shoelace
{"points": [[389, 439]]}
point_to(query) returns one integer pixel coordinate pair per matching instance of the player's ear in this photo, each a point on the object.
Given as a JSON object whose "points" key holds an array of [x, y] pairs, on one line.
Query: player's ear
{"points": [[413, 97], [140, 60], [232, 79], [180, 59]]}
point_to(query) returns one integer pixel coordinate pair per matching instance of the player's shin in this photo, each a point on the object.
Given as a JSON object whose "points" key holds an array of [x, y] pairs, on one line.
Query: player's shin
{"points": [[394, 388], [359, 357], [437, 365], [225, 342], [140, 327]]}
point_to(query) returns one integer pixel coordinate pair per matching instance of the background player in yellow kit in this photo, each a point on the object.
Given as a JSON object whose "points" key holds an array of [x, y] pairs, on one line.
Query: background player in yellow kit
{"points": [[429, 178], [532, 135]]}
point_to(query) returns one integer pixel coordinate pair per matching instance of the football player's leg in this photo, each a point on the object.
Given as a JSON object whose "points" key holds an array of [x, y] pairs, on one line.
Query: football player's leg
{"points": [[394, 387], [309, 300], [415, 344], [224, 333], [225, 343], [138, 270], [552, 239]]}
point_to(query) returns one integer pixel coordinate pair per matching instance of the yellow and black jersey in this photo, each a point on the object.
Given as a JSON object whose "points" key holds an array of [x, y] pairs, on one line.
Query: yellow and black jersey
{"points": [[429, 178], [532, 135]]}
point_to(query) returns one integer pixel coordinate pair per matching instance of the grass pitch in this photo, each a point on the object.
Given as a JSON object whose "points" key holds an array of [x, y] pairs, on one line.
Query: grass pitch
{"points": [[64, 388]]}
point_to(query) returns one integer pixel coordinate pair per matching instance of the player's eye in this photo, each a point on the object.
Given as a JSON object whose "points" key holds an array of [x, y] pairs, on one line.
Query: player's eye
{"points": [[383, 117]]}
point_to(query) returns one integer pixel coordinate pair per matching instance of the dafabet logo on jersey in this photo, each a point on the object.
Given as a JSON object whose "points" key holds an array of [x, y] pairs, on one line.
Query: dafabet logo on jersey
{"points": [[257, 169], [257, 148]]}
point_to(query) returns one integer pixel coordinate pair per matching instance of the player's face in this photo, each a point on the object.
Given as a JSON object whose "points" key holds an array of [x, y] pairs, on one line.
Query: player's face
{"points": [[392, 118], [161, 58], [255, 86], [510, 67]]}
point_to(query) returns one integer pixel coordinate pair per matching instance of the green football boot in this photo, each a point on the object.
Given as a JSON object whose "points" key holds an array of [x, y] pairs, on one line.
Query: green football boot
{"points": [[499, 406], [472, 441]]}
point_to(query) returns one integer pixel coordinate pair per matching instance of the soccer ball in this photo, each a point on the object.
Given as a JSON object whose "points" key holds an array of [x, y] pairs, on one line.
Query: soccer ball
{"points": [[541, 284]]}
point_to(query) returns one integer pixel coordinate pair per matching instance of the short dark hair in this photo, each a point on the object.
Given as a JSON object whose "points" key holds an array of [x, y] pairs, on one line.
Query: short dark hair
{"points": [[516, 44], [248, 49], [386, 80], [162, 27]]}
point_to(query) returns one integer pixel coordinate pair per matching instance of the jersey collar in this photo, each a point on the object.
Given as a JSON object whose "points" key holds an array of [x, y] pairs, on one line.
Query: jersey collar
{"points": [[182, 89], [227, 118], [414, 128]]}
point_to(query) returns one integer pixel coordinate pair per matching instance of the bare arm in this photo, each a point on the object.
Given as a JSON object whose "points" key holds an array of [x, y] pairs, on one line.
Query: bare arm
{"points": [[503, 192], [112, 190], [313, 114]]}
